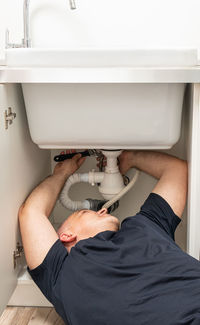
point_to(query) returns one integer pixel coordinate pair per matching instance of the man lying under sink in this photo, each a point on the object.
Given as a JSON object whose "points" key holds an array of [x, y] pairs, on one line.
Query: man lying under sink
{"points": [[98, 272]]}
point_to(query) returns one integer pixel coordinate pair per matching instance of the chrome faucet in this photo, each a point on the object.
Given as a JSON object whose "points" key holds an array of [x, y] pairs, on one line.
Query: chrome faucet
{"points": [[26, 41]]}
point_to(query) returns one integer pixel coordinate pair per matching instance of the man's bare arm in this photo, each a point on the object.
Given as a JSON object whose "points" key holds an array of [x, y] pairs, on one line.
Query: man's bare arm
{"points": [[169, 170], [38, 235]]}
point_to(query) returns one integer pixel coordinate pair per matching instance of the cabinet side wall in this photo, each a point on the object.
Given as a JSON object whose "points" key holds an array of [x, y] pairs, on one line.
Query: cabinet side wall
{"points": [[193, 155], [22, 166]]}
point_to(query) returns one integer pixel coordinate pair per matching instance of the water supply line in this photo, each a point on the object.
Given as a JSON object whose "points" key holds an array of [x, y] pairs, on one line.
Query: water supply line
{"points": [[111, 186], [118, 196]]}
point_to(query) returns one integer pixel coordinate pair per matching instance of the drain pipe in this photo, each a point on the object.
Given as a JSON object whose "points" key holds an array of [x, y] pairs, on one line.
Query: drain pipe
{"points": [[64, 198], [91, 204], [111, 187]]}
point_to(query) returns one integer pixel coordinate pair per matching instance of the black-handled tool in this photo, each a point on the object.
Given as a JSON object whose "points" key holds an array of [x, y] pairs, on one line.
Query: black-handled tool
{"points": [[71, 155]]}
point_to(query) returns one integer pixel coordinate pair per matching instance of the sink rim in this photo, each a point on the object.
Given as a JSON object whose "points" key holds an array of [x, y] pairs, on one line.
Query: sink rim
{"points": [[93, 49], [101, 57]]}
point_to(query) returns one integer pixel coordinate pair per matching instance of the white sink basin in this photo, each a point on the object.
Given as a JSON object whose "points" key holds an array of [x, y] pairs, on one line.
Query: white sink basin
{"points": [[107, 115], [36, 57]]}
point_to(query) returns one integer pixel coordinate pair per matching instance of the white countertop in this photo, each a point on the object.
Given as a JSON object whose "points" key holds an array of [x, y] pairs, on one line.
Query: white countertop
{"points": [[100, 75]]}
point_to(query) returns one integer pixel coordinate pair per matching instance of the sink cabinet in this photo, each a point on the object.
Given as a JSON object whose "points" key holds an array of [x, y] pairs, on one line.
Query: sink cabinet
{"points": [[23, 165]]}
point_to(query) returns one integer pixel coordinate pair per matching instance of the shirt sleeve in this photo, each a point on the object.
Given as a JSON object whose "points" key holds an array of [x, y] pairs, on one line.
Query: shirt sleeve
{"points": [[45, 275], [159, 211]]}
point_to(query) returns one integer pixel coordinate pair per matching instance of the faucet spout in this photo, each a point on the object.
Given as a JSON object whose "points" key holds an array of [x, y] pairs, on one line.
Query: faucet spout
{"points": [[26, 40], [72, 4]]}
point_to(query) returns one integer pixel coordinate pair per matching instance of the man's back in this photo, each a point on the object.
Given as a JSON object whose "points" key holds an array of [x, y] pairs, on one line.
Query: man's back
{"points": [[135, 276]]}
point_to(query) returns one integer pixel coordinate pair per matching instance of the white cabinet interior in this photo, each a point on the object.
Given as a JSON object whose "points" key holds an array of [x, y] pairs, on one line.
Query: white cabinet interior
{"points": [[23, 165], [193, 156], [8, 233]]}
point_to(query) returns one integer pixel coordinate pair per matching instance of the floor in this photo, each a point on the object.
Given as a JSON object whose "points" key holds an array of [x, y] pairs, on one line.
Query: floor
{"points": [[30, 316]]}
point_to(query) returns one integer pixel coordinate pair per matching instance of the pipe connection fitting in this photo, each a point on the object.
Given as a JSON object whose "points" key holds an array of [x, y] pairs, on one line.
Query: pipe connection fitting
{"points": [[111, 186]]}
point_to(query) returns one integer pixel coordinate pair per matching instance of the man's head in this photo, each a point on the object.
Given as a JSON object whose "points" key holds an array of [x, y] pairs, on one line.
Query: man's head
{"points": [[83, 224]]}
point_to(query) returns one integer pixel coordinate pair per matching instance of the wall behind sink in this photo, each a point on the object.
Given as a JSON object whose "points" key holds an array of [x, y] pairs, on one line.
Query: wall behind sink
{"points": [[143, 23]]}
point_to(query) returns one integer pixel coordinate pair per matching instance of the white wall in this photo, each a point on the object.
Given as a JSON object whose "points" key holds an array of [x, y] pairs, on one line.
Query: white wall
{"points": [[113, 23]]}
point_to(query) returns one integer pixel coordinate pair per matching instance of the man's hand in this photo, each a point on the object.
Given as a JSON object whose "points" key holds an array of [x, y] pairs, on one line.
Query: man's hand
{"points": [[126, 161], [169, 170], [69, 166]]}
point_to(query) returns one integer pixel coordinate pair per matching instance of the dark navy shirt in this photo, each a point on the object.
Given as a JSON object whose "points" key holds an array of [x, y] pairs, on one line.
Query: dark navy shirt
{"points": [[136, 276]]}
